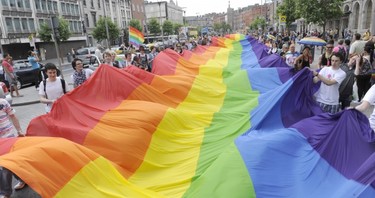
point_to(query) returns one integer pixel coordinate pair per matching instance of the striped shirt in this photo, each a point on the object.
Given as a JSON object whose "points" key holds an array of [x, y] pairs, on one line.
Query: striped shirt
{"points": [[6, 126]]}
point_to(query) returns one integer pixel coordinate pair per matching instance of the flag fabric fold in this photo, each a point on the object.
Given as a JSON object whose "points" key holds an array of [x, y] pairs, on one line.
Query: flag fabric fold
{"points": [[225, 120]]}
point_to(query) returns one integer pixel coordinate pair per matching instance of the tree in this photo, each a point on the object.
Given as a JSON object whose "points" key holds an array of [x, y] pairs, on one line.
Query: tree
{"points": [[136, 24], [100, 32], [288, 8], [226, 27], [217, 27], [153, 26], [168, 27], [323, 10], [176, 28], [258, 23], [45, 31]]}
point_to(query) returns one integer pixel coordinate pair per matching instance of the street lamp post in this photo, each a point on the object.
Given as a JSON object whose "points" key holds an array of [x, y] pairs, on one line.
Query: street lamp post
{"points": [[106, 22], [83, 22], [161, 26]]}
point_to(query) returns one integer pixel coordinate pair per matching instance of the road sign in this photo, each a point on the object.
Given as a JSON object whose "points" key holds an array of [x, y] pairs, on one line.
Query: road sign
{"points": [[282, 18]]}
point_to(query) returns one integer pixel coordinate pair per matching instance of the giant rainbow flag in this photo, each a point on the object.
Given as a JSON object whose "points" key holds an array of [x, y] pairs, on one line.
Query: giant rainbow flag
{"points": [[136, 37], [226, 120]]}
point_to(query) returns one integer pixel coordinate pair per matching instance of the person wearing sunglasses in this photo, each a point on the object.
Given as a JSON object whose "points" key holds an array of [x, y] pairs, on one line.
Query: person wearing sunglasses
{"points": [[325, 58]]}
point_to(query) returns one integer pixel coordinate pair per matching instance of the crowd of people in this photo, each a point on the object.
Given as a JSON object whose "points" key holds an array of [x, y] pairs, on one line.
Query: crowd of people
{"points": [[341, 65], [344, 64]]}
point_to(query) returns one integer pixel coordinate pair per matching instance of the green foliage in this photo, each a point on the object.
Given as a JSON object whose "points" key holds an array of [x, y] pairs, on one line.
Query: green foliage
{"points": [[258, 23], [153, 26], [100, 33], [319, 11], [289, 9], [222, 27], [217, 27], [136, 24], [64, 29], [168, 27], [45, 31], [176, 28]]}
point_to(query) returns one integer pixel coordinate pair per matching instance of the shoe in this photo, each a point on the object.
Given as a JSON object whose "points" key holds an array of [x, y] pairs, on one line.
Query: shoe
{"points": [[356, 102], [37, 88], [19, 185], [3, 196]]}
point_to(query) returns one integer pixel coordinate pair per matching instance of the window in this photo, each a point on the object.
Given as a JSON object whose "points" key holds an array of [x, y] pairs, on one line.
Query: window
{"points": [[55, 6], [37, 4], [93, 15], [24, 25], [63, 8], [68, 9], [27, 4], [41, 21], [76, 10], [12, 3], [4, 3], [44, 5], [79, 25], [87, 20], [17, 25], [9, 23], [72, 11], [71, 26], [31, 25], [20, 3], [49, 3], [99, 3], [84, 2], [92, 3]]}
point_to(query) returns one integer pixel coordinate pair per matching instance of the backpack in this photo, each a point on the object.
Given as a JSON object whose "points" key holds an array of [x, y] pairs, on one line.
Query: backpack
{"points": [[342, 51], [62, 85]]}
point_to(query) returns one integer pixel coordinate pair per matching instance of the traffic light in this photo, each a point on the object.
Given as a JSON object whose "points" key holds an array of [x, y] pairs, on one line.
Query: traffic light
{"points": [[55, 27]]}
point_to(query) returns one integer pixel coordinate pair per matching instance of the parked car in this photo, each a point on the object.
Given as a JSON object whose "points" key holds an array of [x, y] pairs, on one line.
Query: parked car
{"points": [[84, 54], [24, 72]]}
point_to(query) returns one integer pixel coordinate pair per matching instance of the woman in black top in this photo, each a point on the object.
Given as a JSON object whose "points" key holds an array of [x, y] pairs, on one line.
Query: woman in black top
{"points": [[303, 60]]}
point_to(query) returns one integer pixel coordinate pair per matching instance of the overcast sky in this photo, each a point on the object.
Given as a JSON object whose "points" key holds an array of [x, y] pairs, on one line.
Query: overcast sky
{"points": [[201, 7]]}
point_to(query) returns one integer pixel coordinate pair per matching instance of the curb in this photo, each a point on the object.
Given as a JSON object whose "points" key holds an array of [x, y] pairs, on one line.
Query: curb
{"points": [[25, 103]]}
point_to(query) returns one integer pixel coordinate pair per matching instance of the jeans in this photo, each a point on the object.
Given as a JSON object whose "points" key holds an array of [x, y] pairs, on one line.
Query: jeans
{"points": [[36, 73], [6, 182]]}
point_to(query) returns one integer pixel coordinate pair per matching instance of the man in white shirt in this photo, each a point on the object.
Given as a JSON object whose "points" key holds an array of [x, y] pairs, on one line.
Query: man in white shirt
{"points": [[331, 77], [98, 52], [291, 55], [357, 46], [52, 88]]}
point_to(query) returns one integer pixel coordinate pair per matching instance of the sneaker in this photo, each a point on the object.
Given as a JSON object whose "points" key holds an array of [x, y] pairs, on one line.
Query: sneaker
{"points": [[19, 185], [356, 102], [37, 88]]}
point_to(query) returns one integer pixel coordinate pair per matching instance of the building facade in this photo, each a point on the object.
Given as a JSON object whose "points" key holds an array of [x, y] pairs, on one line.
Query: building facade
{"points": [[358, 16], [20, 20], [163, 11], [119, 11]]}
